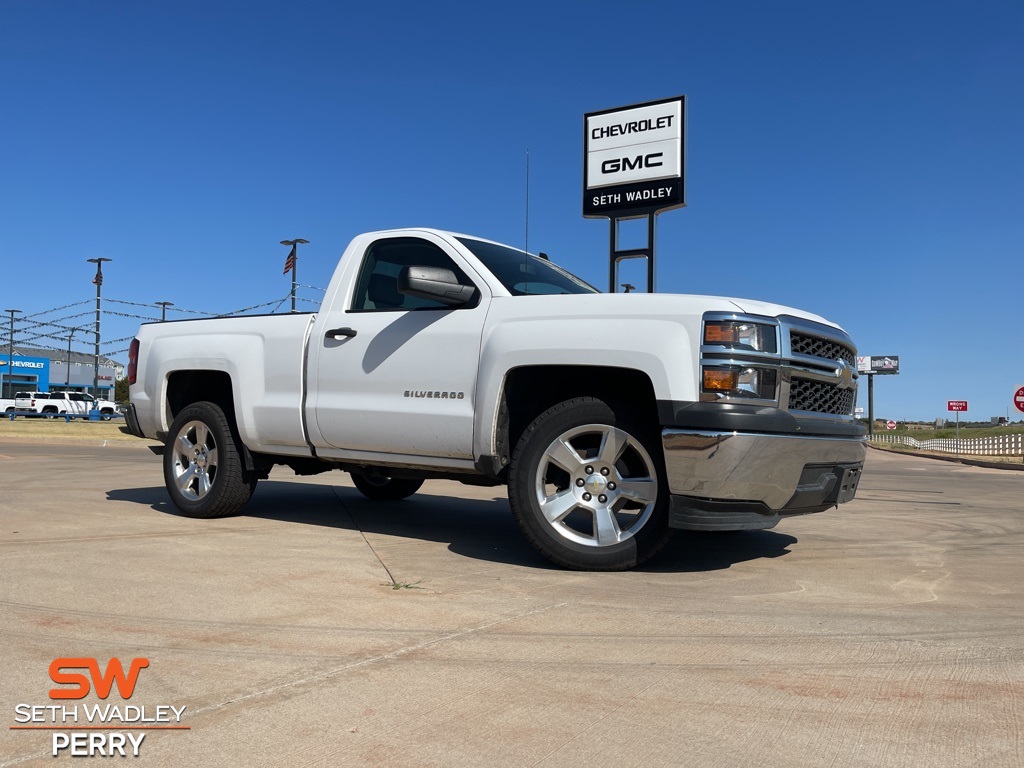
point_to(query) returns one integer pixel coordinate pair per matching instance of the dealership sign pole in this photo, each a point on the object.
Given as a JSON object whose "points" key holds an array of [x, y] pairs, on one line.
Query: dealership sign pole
{"points": [[870, 366], [634, 167]]}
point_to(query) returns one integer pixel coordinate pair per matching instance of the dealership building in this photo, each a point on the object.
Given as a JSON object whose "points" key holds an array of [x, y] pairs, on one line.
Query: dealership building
{"points": [[42, 370]]}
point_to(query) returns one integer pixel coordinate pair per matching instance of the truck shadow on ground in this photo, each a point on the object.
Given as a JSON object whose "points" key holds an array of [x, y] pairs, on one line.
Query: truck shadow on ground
{"points": [[481, 529]]}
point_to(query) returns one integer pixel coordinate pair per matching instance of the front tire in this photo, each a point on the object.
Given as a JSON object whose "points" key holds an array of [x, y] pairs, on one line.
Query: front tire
{"points": [[381, 488], [587, 486], [203, 468]]}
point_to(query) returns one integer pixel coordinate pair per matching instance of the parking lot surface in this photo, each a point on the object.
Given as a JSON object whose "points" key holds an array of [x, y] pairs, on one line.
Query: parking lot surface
{"points": [[321, 629]]}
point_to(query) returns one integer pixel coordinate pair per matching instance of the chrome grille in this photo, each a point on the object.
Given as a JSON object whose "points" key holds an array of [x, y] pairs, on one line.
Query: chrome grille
{"points": [[803, 344], [821, 397]]}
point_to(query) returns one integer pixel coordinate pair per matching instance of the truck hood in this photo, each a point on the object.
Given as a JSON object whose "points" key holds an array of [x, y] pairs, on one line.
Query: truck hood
{"points": [[755, 307], [628, 305]]}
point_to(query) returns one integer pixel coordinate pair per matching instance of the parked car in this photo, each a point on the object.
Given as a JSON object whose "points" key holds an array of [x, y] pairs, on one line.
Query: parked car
{"points": [[106, 408], [57, 403], [38, 402]]}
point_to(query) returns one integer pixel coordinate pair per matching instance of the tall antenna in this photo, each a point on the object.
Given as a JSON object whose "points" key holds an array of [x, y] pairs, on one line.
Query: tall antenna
{"points": [[526, 247]]}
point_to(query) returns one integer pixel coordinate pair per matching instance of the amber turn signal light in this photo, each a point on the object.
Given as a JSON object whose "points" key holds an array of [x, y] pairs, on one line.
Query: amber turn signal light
{"points": [[721, 333], [719, 380]]}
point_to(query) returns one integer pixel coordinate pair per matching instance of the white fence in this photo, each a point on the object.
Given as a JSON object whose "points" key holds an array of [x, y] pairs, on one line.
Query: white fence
{"points": [[1001, 445]]}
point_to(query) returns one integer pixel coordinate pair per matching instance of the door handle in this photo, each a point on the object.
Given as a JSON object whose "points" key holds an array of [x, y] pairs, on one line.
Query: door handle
{"points": [[334, 333]]}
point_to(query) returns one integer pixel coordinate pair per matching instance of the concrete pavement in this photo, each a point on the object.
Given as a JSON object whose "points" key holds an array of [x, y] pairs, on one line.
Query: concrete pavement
{"points": [[322, 629]]}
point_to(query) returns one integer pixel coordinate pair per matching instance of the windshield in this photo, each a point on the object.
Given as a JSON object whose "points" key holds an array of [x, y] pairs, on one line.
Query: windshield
{"points": [[523, 274]]}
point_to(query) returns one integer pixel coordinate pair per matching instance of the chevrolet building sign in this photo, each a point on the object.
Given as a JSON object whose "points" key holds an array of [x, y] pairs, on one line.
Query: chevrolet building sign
{"points": [[634, 159]]}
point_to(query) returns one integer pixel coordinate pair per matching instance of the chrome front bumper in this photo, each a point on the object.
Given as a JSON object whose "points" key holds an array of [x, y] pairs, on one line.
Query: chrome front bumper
{"points": [[737, 480]]}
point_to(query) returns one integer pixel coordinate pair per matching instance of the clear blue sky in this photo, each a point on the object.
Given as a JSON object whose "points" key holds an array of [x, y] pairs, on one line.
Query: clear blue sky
{"points": [[862, 160]]}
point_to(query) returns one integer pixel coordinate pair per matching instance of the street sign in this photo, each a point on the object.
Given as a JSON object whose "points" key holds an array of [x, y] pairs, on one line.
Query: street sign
{"points": [[1018, 399], [958, 406], [890, 425]]}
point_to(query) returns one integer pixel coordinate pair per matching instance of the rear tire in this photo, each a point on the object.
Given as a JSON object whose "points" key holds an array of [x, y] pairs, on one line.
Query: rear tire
{"points": [[587, 486], [381, 488], [203, 468]]}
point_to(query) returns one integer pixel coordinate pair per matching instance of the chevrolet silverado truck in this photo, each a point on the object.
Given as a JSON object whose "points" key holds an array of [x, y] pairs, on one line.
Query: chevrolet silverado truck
{"points": [[46, 403], [84, 403], [613, 419], [57, 403]]}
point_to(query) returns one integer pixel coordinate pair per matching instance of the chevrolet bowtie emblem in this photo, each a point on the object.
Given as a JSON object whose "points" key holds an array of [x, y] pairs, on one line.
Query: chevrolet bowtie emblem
{"points": [[845, 374]]}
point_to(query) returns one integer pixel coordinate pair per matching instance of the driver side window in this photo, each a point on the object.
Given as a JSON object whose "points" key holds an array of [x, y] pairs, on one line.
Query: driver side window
{"points": [[377, 287]]}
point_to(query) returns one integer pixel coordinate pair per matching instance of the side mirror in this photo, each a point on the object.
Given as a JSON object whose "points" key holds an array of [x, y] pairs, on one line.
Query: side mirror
{"points": [[435, 283]]}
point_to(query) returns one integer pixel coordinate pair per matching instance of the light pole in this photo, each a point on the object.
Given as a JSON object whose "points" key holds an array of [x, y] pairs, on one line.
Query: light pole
{"points": [[10, 354], [163, 309], [292, 261], [98, 282], [67, 378]]}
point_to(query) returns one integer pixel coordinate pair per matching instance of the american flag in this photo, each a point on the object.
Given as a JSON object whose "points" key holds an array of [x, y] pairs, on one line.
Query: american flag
{"points": [[289, 263]]}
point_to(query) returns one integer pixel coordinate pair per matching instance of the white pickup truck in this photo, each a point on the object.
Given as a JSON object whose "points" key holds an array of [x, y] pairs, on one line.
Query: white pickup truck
{"points": [[41, 402], [84, 402], [612, 418], [58, 403]]}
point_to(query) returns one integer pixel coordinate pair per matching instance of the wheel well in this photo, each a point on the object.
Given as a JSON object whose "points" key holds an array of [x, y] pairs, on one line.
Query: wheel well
{"points": [[531, 390], [187, 387]]}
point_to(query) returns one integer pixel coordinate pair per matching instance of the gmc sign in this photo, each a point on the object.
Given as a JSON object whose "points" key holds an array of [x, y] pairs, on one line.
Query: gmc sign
{"points": [[634, 158]]}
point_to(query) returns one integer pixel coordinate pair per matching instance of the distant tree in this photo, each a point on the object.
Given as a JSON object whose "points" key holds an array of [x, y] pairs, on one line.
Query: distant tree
{"points": [[121, 391]]}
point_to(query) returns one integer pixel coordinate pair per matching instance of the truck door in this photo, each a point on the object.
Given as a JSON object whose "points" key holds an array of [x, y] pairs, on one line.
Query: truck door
{"points": [[402, 378], [79, 401]]}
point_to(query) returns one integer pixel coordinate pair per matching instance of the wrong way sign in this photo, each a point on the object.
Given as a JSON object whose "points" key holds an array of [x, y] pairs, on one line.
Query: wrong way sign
{"points": [[956, 405]]}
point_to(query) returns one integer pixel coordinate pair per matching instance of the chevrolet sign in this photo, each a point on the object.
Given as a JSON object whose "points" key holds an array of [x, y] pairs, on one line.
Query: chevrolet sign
{"points": [[634, 158]]}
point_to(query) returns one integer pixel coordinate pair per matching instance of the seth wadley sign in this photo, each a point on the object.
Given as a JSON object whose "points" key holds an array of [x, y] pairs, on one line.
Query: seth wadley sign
{"points": [[628, 151]]}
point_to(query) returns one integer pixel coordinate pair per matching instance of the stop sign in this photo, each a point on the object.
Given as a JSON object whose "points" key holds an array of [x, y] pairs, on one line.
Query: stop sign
{"points": [[890, 425], [1018, 399]]}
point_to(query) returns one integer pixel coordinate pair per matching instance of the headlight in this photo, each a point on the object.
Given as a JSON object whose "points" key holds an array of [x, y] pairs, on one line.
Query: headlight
{"points": [[734, 381], [737, 334]]}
